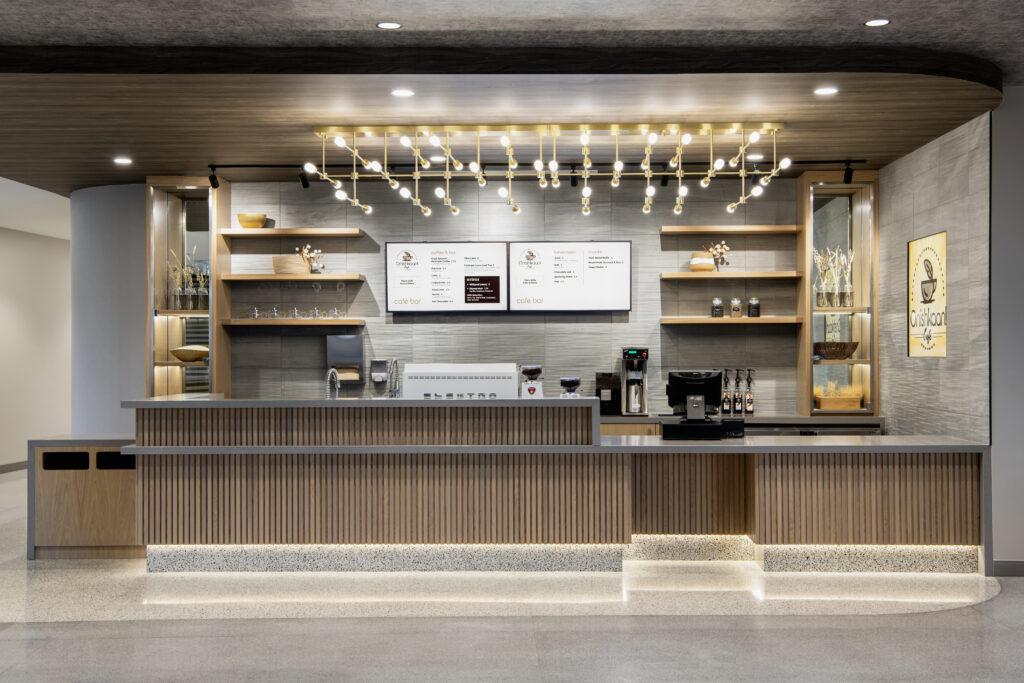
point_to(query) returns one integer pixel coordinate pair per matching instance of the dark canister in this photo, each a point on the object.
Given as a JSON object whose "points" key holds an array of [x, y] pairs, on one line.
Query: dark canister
{"points": [[754, 307]]}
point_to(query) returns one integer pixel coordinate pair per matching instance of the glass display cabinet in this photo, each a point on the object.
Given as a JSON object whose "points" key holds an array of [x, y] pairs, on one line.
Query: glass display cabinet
{"points": [[837, 368]]}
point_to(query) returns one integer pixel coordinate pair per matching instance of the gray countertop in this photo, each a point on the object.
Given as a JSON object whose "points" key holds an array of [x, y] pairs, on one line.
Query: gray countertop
{"points": [[630, 444], [759, 419], [218, 401]]}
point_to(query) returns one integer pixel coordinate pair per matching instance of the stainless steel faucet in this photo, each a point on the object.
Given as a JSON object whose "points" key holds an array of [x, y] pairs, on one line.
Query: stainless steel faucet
{"points": [[332, 384]]}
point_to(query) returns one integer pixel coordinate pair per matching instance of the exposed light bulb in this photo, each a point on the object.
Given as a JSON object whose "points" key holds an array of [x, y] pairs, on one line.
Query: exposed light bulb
{"points": [[516, 209], [786, 162], [585, 210], [513, 164], [731, 208], [425, 210], [455, 210], [753, 137], [543, 182], [474, 167], [647, 208], [309, 167], [425, 163], [683, 190], [687, 138], [405, 141], [587, 163], [503, 192], [434, 140], [673, 162], [340, 195], [367, 209], [618, 166], [505, 142], [336, 184], [652, 137], [756, 191], [538, 165], [456, 164], [556, 183], [553, 166], [765, 179], [719, 164], [339, 140], [587, 191], [615, 181], [439, 192], [650, 191], [393, 183], [705, 181], [734, 162], [405, 192], [677, 209], [375, 166], [584, 139], [481, 181]]}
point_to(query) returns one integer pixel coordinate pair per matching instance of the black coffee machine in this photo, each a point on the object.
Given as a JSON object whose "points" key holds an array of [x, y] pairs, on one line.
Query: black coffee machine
{"points": [[695, 397]]}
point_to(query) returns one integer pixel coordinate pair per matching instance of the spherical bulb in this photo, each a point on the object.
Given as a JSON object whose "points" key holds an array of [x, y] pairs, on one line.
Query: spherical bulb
{"points": [[339, 140], [405, 141], [454, 210], [585, 210], [677, 209], [516, 209], [553, 166], [647, 208], [375, 166], [503, 192], [753, 137], [474, 167], [618, 166], [785, 162], [481, 181], [543, 182], [584, 139], [615, 181], [556, 183], [425, 210], [705, 181], [756, 191], [687, 138], [336, 184], [405, 192], [309, 167], [505, 141], [456, 164], [734, 162], [719, 164], [683, 190], [393, 183], [587, 163], [340, 195], [513, 164], [673, 162], [434, 140], [587, 191], [367, 209], [649, 191], [765, 179], [731, 208], [439, 192], [645, 164], [538, 165], [425, 163], [652, 137]]}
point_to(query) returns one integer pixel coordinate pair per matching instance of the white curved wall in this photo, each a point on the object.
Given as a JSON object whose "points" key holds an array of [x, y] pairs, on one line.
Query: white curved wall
{"points": [[108, 295]]}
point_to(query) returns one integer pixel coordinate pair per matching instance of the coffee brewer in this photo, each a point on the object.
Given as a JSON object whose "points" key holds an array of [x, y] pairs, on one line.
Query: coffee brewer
{"points": [[634, 381]]}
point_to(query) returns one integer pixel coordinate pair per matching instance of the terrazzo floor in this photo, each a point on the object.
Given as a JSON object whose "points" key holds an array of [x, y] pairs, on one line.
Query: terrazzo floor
{"points": [[100, 621]]}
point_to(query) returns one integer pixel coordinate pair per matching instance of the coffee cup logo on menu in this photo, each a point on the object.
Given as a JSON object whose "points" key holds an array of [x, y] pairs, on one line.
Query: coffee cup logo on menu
{"points": [[926, 296]]}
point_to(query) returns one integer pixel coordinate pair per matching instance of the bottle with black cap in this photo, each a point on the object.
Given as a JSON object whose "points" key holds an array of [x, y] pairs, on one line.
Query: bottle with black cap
{"points": [[737, 394], [726, 394]]}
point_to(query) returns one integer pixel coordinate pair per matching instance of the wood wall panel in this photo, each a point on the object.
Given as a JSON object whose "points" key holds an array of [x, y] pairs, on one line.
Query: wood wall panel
{"points": [[867, 498], [337, 426], [690, 493], [385, 498]]}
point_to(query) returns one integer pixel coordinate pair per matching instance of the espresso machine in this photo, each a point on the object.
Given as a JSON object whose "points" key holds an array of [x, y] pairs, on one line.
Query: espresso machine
{"points": [[634, 380]]}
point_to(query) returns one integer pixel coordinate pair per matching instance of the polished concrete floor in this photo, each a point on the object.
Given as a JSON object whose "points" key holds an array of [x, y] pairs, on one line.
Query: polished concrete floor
{"points": [[980, 641]]}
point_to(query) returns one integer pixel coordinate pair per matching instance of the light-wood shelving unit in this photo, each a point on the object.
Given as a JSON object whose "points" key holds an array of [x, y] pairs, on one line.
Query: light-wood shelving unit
{"points": [[182, 313], [842, 361], [294, 322], [293, 277], [708, 320], [180, 364], [732, 275], [849, 309], [730, 229], [272, 233]]}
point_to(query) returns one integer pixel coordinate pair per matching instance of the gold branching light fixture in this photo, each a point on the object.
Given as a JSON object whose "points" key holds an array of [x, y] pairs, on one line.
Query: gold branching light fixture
{"points": [[495, 145]]}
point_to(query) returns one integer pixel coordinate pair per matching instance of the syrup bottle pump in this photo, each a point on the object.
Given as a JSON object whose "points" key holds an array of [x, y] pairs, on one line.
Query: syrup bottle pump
{"points": [[737, 394], [726, 395], [748, 400]]}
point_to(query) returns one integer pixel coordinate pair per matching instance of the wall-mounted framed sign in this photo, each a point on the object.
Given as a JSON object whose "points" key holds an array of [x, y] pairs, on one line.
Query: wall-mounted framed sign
{"points": [[926, 296]]}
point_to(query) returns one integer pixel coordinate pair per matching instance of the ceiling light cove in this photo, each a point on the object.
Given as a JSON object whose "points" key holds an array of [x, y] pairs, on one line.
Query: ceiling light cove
{"points": [[826, 90], [875, 23], [123, 161], [402, 92], [389, 25]]}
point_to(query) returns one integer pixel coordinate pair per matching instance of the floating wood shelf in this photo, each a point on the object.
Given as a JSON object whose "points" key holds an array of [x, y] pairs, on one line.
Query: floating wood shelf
{"points": [[182, 313], [291, 232], [733, 275], [841, 361], [180, 364], [851, 309], [708, 320], [294, 322], [293, 277], [730, 229]]}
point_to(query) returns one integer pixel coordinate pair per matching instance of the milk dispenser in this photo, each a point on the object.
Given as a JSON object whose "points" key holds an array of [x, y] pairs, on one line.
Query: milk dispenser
{"points": [[634, 381]]}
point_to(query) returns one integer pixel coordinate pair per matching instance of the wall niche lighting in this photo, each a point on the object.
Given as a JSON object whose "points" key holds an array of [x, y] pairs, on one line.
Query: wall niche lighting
{"points": [[612, 151]]}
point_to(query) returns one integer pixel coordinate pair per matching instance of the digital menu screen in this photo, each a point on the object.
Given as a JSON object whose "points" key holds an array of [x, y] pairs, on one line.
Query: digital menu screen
{"points": [[446, 276], [570, 276]]}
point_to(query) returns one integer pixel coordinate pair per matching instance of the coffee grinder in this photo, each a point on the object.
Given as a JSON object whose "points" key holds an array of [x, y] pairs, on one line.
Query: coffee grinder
{"points": [[634, 380], [531, 386]]}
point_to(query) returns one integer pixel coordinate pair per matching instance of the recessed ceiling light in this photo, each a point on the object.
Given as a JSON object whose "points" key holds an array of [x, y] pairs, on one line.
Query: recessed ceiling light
{"points": [[437, 159], [756, 156], [874, 23], [389, 25], [402, 92], [826, 90], [123, 161]]}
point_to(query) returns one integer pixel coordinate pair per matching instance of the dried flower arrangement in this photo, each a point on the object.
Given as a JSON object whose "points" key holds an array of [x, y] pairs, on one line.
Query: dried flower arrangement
{"points": [[312, 257], [719, 252], [833, 390], [834, 281]]}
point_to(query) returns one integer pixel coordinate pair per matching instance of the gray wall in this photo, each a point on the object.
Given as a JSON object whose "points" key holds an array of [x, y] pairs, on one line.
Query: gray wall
{"points": [[1007, 327], [943, 185], [108, 312], [292, 365]]}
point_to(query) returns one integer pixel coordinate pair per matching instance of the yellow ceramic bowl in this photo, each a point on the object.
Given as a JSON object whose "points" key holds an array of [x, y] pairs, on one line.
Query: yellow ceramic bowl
{"points": [[252, 220]]}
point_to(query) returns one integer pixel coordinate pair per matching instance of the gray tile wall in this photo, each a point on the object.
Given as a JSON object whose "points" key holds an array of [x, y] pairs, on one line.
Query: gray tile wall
{"points": [[291, 364], [941, 186]]}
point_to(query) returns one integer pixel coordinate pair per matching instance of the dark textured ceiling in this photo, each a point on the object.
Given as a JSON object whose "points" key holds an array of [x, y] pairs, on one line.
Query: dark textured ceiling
{"points": [[989, 29]]}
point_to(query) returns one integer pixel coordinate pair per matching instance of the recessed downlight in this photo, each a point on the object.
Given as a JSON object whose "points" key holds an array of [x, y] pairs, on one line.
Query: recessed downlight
{"points": [[402, 92], [437, 159], [123, 161], [389, 25], [826, 90], [755, 156], [875, 23]]}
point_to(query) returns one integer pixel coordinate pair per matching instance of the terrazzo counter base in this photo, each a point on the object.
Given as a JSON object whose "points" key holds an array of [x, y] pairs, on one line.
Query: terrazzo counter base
{"points": [[868, 558]]}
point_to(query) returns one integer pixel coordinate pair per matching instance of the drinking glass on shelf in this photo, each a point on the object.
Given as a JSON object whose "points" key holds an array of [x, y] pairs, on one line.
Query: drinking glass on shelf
{"points": [[334, 313], [254, 312], [274, 314], [296, 313], [314, 313]]}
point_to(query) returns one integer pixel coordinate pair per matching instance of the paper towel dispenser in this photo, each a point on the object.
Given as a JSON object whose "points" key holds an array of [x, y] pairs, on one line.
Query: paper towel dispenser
{"points": [[345, 355]]}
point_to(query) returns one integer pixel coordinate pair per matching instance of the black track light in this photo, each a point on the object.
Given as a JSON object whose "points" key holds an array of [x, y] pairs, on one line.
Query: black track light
{"points": [[214, 181], [574, 180], [847, 174], [304, 179], [664, 177]]}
